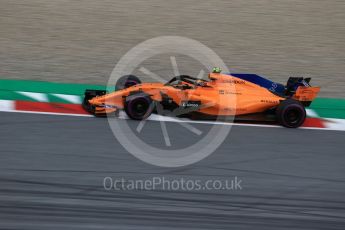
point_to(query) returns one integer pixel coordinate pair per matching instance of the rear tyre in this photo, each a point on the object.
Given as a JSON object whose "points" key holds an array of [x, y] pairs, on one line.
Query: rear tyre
{"points": [[139, 106], [127, 81], [291, 113]]}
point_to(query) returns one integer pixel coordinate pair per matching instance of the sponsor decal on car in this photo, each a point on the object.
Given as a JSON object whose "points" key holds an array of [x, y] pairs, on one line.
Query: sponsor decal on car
{"points": [[236, 82], [191, 104], [269, 101], [226, 92]]}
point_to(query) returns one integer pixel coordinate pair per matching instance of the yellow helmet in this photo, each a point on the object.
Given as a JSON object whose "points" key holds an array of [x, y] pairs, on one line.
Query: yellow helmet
{"points": [[216, 70]]}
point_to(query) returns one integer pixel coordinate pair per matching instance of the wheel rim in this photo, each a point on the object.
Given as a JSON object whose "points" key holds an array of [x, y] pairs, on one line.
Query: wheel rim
{"points": [[140, 107], [293, 116]]}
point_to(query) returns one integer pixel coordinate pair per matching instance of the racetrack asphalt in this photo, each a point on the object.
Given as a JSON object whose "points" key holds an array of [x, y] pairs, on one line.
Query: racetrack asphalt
{"points": [[52, 170]]}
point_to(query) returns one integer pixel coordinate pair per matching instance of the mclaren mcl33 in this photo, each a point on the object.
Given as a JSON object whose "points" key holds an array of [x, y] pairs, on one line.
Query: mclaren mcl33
{"points": [[244, 97]]}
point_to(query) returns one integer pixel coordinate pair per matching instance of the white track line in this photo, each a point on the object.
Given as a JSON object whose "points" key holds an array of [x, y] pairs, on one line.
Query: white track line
{"points": [[333, 123], [75, 99], [6, 105], [311, 113], [42, 97], [155, 117], [49, 113]]}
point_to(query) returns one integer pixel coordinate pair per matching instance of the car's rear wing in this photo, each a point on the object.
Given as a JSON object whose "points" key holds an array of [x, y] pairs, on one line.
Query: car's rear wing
{"points": [[300, 89], [306, 94]]}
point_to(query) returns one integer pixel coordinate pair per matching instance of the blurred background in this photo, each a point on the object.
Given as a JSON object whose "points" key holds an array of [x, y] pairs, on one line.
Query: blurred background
{"points": [[81, 41]]}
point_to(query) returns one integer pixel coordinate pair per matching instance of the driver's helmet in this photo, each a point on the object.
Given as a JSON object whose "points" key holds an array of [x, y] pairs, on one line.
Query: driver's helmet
{"points": [[216, 70]]}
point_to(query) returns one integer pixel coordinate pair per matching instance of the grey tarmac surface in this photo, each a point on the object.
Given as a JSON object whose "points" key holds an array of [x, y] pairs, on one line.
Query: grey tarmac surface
{"points": [[81, 41], [52, 170]]}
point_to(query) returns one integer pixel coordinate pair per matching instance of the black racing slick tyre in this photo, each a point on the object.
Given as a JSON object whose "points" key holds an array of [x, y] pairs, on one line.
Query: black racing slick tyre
{"points": [[139, 106], [291, 113], [127, 81]]}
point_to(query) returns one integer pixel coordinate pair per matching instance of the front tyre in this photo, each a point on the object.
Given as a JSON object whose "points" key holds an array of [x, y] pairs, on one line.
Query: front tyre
{"points": [[291, 113], [139, 106], [127, 81]]}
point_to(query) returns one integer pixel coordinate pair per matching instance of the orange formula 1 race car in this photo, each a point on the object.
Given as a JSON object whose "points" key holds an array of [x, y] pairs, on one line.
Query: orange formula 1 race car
{"points": [[246, 97]]}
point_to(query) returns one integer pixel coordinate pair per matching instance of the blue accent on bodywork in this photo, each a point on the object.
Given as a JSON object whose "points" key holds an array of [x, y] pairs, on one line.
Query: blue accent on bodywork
{"points": [[261, 81]]}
